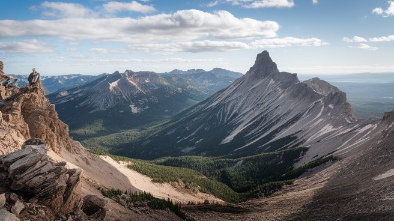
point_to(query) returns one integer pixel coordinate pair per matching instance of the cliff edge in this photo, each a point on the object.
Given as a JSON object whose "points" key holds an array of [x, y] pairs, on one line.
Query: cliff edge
{"points": [[24, 113]]}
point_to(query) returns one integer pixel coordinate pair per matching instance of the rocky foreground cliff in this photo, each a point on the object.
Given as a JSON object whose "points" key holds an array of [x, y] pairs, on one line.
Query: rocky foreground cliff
{"points": [[52, 177], [25, 113]]}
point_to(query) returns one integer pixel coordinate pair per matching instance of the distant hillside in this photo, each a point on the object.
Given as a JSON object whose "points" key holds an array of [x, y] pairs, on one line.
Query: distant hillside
{"points": [[202, 83], [370, 94], [55, 83], [128, 100]]}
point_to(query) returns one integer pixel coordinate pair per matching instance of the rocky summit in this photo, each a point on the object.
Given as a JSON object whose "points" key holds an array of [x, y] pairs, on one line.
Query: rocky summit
{"points": [[26, 113]]}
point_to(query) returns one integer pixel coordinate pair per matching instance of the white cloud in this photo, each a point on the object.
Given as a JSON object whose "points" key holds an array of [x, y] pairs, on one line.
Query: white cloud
{"points": [[113, 7], [385, 13], [25, 47], [367, 47], [287, 42], [196, 46], [314, 1], [271, 4], [184, 25], [63, 10], [214, 3], [99, 50], [378, 11], [355, 39], [382, 39]]}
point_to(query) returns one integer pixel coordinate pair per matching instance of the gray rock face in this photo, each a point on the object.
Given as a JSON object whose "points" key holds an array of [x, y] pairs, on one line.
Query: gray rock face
{"points": [[264, 111], [7, 216], [31, 172], [321, 87]]}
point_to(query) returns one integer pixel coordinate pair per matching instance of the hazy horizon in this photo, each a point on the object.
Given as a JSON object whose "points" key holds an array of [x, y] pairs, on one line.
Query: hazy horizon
{"points": [[302, 36]]}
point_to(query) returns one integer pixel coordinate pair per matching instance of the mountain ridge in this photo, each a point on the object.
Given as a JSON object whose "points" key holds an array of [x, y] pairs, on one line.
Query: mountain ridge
{"points": [[265, 110]]}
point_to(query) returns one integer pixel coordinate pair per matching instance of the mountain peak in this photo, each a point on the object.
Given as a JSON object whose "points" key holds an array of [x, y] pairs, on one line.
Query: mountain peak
{"points": [[265, 64]]}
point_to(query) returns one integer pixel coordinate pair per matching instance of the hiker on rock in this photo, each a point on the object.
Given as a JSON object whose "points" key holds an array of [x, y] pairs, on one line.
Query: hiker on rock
{"points": [[33, 77]]}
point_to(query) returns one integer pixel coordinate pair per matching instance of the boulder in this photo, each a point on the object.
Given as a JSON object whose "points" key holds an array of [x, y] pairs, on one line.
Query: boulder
{"points": [[33, 174], [2, 200], [17, 208], [7, 216], [94, 207]]}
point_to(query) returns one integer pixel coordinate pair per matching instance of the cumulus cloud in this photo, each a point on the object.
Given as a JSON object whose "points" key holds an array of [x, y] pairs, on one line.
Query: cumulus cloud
{"points": [[271, 4], [180, 26], [385, 13], [25, 47], [354, 39], [257, 3], [362, 43], [287, 42], [113, 7], [367, 47], [314, 1], [63, 10], [382, 39]]}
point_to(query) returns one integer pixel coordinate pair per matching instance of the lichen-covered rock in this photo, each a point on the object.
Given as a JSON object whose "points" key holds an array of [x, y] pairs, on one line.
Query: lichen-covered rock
{"points": [[32, 173]]}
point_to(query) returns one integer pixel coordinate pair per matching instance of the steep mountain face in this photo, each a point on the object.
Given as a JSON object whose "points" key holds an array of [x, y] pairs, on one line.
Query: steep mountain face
{"points": [[265, 110], [362, 189], [130, 99], [55, 83]]}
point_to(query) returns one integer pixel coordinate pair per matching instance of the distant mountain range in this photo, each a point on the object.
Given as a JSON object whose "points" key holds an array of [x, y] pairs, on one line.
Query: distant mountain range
{"points": [[127, 100], [370, 94], [55, 83]]}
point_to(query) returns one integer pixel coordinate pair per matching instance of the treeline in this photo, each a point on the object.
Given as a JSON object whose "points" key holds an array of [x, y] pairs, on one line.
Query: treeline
{"points": [[242, 174], [138, 199], [232, 180]]}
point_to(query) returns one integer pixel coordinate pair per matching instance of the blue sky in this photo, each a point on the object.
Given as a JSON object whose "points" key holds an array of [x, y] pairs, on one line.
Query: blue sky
{"points": [[100, 36]]}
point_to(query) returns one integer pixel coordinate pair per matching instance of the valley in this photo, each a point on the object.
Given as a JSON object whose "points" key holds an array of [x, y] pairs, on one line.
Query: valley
{"points": [[245, 151]]}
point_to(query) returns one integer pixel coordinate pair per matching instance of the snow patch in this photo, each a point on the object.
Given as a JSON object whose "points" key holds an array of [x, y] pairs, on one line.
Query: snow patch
{"points": [[187, 149], [135, 109], [331, 106], [389, 173], [63, 93], [114, 84]]}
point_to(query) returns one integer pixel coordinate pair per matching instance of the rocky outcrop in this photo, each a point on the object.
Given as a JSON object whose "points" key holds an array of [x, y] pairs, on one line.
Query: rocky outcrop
{"points": [[94, 206], [30, 172], [26, 113]]}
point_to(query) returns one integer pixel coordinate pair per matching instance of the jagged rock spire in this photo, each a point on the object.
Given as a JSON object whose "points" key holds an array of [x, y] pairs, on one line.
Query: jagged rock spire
{"points": [[263, 65]]}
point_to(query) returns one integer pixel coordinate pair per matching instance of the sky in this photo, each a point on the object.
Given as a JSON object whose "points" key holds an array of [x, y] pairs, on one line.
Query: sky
{"points": [[100, 36]]}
